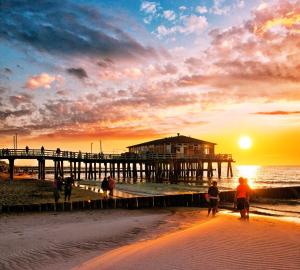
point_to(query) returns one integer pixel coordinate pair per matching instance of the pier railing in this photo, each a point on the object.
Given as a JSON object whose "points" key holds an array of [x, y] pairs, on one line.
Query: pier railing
{"points": [[39, 153]]}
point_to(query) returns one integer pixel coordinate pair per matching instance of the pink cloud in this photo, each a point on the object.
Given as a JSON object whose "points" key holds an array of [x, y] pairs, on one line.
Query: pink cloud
{"points": [[42, 80], [278, 113], [241, 65]]}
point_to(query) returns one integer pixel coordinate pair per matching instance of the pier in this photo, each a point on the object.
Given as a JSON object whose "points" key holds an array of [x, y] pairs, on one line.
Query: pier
{"points": [[149, 167]]}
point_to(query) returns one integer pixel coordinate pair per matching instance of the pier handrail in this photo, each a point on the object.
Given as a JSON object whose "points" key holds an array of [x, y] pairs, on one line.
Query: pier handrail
{"points": [[39, 153]]}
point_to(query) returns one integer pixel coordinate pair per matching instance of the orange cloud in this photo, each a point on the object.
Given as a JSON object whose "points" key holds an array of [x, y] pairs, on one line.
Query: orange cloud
{"points": [[278, 113], [42, 80], [289, 21]]}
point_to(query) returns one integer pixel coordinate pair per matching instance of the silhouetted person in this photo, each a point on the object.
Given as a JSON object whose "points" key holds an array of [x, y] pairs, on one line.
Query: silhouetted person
{"points": [[42, 150], [27, 149], [56, 189], [58, 151], [68, 188], [242, 197], [104, 187], [59, 184], [213, 195], [111, 185]]}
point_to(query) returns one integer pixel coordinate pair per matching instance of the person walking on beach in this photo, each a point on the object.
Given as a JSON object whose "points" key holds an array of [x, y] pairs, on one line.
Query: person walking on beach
{"points": [[213, 196], [104, 187], [56, 189], [68, 188], [111, 185], [242, 197]]}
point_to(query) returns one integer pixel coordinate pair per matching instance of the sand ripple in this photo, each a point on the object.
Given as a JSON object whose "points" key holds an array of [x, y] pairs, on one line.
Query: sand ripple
{"points": [[221, 243]]}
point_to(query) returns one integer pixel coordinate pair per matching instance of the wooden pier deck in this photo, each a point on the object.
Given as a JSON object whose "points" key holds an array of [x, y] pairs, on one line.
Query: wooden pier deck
{"points": [[151, 167]]}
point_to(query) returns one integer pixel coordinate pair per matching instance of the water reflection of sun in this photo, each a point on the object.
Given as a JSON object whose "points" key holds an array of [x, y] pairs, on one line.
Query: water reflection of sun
{"points": [[249, 172]]}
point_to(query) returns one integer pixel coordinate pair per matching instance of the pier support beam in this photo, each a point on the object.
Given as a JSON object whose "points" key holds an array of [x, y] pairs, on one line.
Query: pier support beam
{"points": [[41, 169], [219, 169], [11, 168], [79, 169], [229, 170]]}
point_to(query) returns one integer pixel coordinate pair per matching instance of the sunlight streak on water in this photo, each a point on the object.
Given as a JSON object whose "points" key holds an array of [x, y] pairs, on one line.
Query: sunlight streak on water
{"points": [[249, 172]]}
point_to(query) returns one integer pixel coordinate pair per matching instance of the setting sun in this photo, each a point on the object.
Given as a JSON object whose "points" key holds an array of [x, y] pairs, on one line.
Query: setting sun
{"points": [[245, 142]]}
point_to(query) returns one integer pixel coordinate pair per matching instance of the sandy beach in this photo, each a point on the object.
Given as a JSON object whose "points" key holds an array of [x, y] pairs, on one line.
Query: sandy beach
{"points": [[175, 238], [63, 240], [223, 242]]}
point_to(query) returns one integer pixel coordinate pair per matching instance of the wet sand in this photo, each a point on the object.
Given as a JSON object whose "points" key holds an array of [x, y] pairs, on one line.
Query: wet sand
{"points": [[223, 242]]}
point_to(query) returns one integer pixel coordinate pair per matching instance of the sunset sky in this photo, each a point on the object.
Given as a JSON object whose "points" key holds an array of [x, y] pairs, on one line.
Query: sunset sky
{"points": [[128, 71]]}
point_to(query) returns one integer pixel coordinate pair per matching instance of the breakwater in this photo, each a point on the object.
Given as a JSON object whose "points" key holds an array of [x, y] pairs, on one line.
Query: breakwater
{"points": [[138, 202]]}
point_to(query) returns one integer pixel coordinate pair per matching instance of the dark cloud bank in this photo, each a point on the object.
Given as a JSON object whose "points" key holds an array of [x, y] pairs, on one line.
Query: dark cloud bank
{"points": [[67, 28]]}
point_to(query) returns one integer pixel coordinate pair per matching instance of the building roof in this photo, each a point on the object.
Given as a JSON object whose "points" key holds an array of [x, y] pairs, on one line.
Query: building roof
{"points": [[175, 139]]}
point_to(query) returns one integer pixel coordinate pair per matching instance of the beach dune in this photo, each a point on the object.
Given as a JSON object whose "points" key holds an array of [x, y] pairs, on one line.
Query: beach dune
{"points": [[223, 242]]}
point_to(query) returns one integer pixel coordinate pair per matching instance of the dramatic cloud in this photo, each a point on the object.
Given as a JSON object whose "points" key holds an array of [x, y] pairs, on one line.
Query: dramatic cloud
{"points": [[42, 80], [241, 64], [20, 99], [8, 113], [278, 113], [80, 73], [67, 29]]}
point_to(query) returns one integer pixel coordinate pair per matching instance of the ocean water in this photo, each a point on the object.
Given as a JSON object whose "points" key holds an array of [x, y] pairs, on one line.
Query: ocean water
{"points": [[258, 177], [262, 176]]}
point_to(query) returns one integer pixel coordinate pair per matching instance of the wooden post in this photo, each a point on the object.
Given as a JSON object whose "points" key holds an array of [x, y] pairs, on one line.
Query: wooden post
{"points": [[100, 170], [43, 169], [134, 172], [11, 168], [219, 169], [58, 168], [105, 169], [75, 169], [79, 169], [118, 170], [129, 170], [71, 168], [90, 170], [141, 171], [62, 169], [209, 169], [124, 171], [86, 170], [95, 170], [39, 170], [229, 169], [146, 172]]}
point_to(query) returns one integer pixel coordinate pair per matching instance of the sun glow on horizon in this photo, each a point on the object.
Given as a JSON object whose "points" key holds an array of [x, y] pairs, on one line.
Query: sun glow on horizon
{"points": [[245, 142], [249, 172]]}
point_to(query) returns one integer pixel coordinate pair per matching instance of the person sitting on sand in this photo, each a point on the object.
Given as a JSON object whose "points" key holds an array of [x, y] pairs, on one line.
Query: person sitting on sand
{"points": [[213, 196], [242, 197], [104, 187]]}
